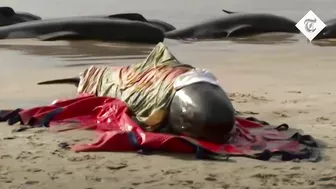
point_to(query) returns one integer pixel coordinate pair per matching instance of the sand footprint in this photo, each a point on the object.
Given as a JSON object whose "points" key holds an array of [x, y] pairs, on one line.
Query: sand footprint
{"points": [[295, 91], [93, 178], [267, 179], [327, 178], [281, 113], [211, 177], [171, 172], [84, 158], [322, 119], [244, 98]]}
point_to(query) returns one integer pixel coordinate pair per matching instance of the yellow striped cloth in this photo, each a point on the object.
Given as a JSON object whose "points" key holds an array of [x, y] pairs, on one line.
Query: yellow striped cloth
{"points": [[146, 87]]}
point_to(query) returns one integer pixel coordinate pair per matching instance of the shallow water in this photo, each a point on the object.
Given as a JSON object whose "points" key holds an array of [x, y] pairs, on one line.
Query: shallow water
{"points": [[27, 56]]}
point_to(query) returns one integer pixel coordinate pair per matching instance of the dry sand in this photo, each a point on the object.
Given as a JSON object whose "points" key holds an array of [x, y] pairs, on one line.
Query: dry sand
{"points": [[278, 84]]}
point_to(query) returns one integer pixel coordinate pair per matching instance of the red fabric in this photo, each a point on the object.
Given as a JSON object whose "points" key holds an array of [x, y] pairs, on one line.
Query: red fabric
{"points": [[109, 117]]}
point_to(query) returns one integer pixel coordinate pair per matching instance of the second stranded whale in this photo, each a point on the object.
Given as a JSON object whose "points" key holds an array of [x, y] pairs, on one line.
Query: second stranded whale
{"points": [[8, 17], [235, 25], [81, 28]]}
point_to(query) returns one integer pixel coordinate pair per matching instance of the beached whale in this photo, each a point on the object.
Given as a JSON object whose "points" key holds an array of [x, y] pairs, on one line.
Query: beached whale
{"points": [[91, 28], [8, 16], [166, 27], [329, 32], [235, 25], [138, 17], [163, 95]]}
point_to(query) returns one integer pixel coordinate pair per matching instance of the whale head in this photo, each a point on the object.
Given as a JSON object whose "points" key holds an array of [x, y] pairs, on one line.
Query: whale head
{"points": [[202, 110], [329, 31]]}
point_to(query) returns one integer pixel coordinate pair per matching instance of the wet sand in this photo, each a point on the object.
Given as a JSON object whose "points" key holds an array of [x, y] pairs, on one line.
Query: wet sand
{"points": [[284, 83]]}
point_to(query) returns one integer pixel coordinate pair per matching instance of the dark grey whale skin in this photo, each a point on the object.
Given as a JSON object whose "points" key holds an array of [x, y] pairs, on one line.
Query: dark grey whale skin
{"points": [[207, 112], [166, 27], [9, 17], [235, 25], [329, 32], [92, 28]]}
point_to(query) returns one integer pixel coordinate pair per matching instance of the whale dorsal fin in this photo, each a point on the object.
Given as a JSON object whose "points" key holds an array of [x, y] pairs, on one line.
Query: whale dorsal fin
{"points": [[7, 11], [129, 16], [228, 12], [62, 35]]}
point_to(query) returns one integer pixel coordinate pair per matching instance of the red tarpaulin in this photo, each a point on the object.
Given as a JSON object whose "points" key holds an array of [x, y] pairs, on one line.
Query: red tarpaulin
{"points": [[109, 116]]}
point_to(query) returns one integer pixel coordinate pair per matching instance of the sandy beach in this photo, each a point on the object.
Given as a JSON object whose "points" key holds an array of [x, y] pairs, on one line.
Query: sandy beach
{"points": [[275, 83]]}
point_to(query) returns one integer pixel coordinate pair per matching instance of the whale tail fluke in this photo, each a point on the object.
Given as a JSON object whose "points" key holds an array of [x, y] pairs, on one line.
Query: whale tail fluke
{"points": [[71, 81]]}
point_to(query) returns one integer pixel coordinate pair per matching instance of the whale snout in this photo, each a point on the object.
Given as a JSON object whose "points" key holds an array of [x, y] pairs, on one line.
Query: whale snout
{"points": [[326, 33], [321, 35], [202, 110]]}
